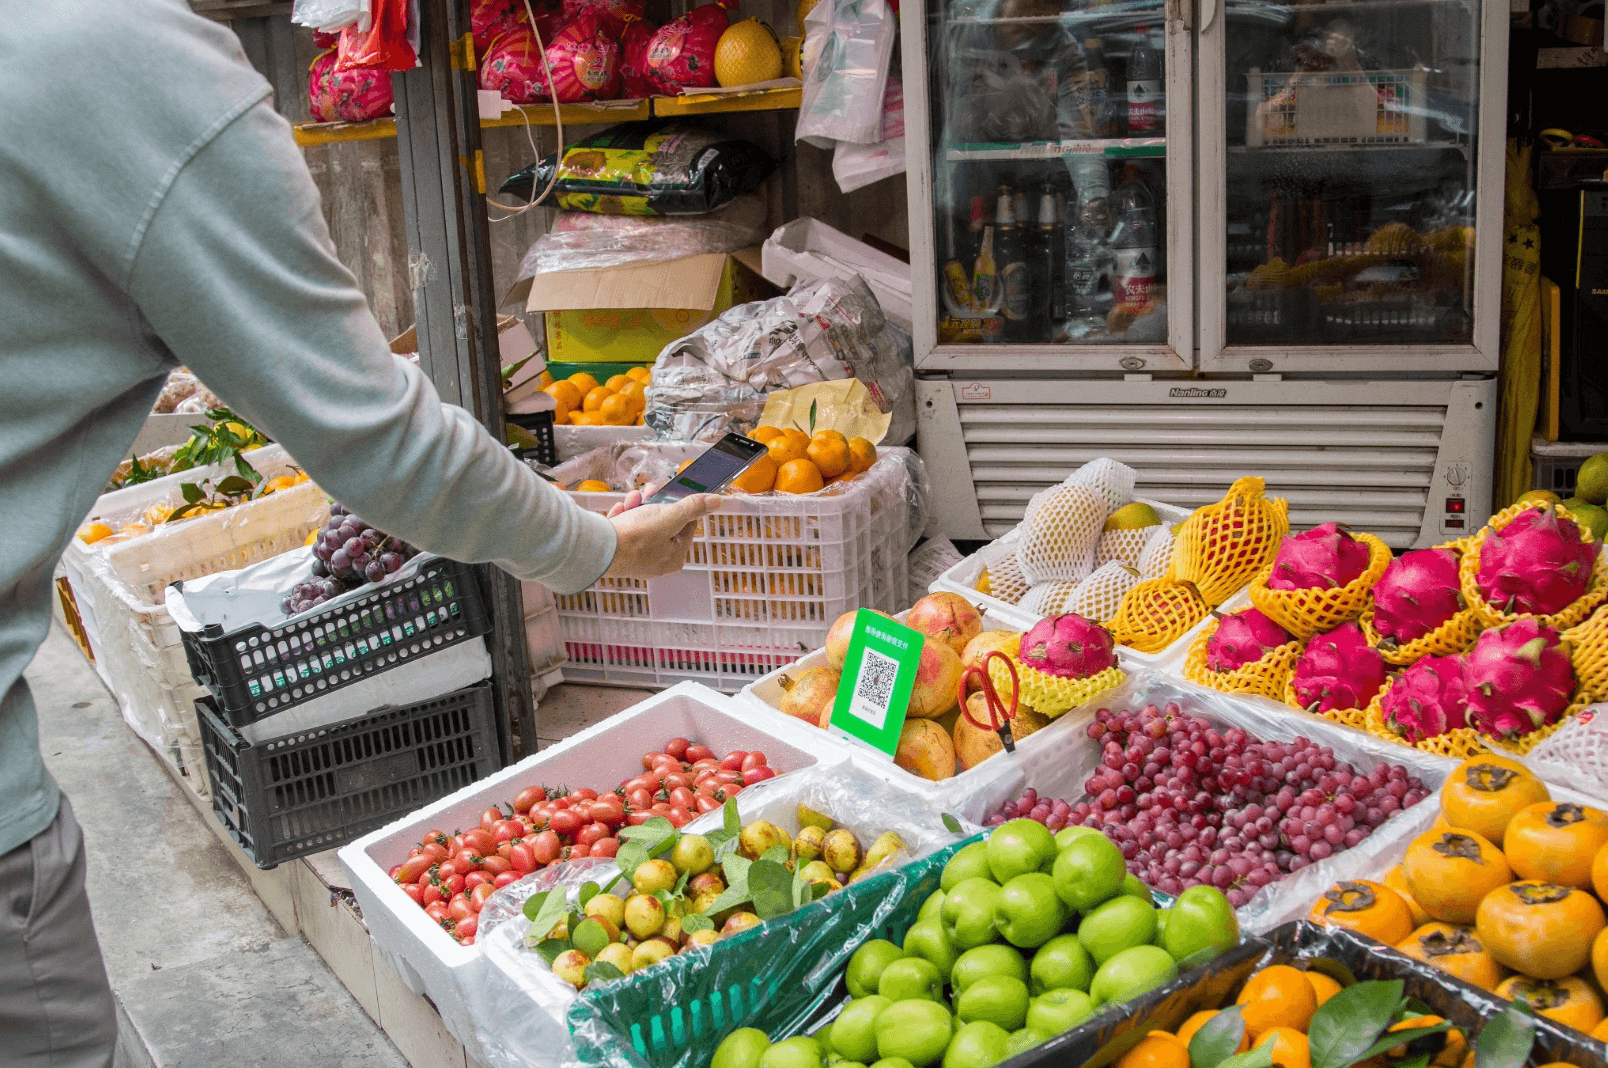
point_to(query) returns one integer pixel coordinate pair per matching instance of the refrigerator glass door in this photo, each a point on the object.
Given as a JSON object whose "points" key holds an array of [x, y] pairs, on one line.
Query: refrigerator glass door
{"points": [[1352, 156], [1051, 220]]}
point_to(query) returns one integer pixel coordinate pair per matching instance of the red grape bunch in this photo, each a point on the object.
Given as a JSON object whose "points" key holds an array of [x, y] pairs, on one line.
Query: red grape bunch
{"points": [[347, 554]]}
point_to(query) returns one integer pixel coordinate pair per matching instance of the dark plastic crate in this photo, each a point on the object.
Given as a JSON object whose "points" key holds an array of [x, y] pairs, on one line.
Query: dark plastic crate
{"points": [[1271, 315], [258, 671], [318, 789], [538, 425]]}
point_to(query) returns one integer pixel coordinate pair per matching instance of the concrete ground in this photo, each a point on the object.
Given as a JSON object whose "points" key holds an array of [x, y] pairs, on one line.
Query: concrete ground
{"points": [[204, 975]]}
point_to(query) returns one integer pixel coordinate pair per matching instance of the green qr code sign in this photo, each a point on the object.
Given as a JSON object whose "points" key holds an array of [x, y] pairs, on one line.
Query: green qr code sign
{"points": [[879, 672]]}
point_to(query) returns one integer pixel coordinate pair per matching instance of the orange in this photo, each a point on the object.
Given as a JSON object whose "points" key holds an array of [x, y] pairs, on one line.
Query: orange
{"points": [[783, 448], [765, 434], [837, 435], [1486, 792], [615, 382], [1289, 1047], [565, 393], [1398, 882], [93, 532], [1276, 996], [798, 476], [862, 454], [639, 421], [1456, 950], [616, 410], [1568, 1000], [312, 539], [1599, 873], [1323, 986], [592, 485], [1540, 929], [583, 382], [282, 482], [1600, 1032], [1444, 1050], [1158, 1049], [639, 374], [1450, 872], [682, 466], [760, 478], [545, 379], [1369, 908], [587, 418], [636, 394], [1186, 1030], [829, 454], [595, 398], [1556, 843]]}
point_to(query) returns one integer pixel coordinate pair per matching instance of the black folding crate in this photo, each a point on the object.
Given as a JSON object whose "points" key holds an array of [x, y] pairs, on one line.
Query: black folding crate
{"points": [[257, 671], [318, 789]]}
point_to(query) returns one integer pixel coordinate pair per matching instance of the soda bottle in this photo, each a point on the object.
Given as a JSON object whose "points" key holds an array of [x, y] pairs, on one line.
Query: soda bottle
{"points": [[1146, 96], [1134, 241], [985, 278], [1015, 280], [1089, 266], [1057, 254], [1095, 93]]}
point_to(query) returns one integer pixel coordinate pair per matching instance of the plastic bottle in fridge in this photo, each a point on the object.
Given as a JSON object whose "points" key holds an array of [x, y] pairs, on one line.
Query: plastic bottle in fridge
{"points": [[1134, 241], [1147, 99], [1089, 266]]}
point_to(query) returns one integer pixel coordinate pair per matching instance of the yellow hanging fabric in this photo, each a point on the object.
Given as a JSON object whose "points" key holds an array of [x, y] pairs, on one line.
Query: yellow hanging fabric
{"points": [[1521, 330]]}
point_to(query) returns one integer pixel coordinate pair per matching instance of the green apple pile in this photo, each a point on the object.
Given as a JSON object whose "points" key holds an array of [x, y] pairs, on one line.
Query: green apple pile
{"points": [[1028, 935]]}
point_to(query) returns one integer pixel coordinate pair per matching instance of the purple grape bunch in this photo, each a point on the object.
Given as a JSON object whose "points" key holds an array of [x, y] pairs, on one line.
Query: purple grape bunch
{"points": [[348, 553], [1190, 804]]}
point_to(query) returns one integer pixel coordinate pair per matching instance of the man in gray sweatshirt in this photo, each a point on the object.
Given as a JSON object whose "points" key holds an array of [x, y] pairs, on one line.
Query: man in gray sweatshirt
{"points": [[154, 210]]}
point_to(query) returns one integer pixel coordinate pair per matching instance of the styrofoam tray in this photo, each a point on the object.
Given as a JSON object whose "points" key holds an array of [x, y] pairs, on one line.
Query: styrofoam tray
{"points": [[426, 958]]}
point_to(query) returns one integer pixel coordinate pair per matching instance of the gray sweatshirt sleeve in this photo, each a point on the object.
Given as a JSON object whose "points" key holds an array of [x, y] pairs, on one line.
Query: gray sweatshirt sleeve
{"points": [[237, 276]]}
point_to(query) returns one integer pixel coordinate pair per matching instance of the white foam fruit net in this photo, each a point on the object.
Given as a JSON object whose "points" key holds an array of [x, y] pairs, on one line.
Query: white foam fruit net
{"points": [[1051, 598], [1124, 546], [1155, 559], [1113, 481], [1100, 595], [1059, 533], [1005, 579], [1576, 753]]}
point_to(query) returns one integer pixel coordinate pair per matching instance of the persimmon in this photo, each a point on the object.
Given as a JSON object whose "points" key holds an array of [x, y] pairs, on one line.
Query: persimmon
{"points": [[1569, 999], [1450, 872], [1485, 792], [1599, 956], [1539, 929], [1276, 996], [1398, 882], [1444, 1049], [1457, 950], [1599, 873], [1556, 842], [1600, 1032], [1366, 907]]}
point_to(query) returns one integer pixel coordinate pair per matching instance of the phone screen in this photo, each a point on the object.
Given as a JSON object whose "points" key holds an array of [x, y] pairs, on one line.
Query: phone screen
{"points": [[719, 464]]}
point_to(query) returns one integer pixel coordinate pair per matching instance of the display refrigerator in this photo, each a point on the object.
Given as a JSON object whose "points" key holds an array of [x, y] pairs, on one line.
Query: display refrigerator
{"points": [[1209, 240]]}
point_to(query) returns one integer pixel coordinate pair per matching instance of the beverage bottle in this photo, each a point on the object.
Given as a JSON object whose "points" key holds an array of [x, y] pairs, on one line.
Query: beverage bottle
{"points": [[1147, 99], [1134, 241], [985, 278], [1015, 280], [1089, 266], [1098, 106], [957, 287], [1040, 255], [974, 227], [1057, 254]]}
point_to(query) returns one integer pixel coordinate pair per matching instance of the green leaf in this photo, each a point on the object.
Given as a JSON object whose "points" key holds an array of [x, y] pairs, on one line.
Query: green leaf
{"points": [[952, 825], [1420, 1061], [551, 948], [818, 891], [1260, 1057], [1505, 1040], [1347, 1024], [777, 854], [1217, 1038], [617, 877], [1401, 1038], [533, 904], [234, 486], [587, 892], [630, 857], [736, 869], [771, 885], [251, 474], [551, 910], [694, 922], [601, 971], [193, 494], [813, 405], [731, 822], [589, 937]]}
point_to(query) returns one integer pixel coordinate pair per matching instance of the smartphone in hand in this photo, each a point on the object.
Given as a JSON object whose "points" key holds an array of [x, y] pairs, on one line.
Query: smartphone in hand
{"points": [[712, 471]]}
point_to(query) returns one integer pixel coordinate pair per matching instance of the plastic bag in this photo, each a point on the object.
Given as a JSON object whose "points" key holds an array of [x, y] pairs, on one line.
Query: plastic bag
{"points": [[585, 59], [748, 211], [828, 329], [681, 55], [586, 250], [355, 95], [512, 65], [648, 168], [856, 166], [490, 19], [179, 386], [613, 12], [199, 402], [634, 39], [382, 45], [849, 45], [329, 16]]}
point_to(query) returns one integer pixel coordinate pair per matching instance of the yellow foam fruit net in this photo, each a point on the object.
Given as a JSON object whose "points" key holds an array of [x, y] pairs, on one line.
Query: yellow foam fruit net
{"points": [[1588, 643], [1490, 615], [1268, 676], [1156, 613], [1123, 546], [1456, 635], [1100, 595], [1049, 695], [1307, 612], [1460, 743], [1223, 546]]}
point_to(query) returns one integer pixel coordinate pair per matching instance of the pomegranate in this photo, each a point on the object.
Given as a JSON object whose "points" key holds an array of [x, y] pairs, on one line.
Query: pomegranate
{"points": [[837, 639], [937, 681], [947, 617], [813, 691]]}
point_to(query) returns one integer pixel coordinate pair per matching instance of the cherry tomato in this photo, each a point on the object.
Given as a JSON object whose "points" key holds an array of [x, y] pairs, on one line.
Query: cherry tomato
{"points": [[530, 795], [477, 896], [608, 810], [591, 833], [446, 868], [489, 818], [414, 867], [726, 776], [641, 782], [681, 797], [679, 817], [392, 874], [436, 910], [732, 790], [439, 838], [753, 760], [640, 798], [707, 762], [696, 753], [458, 908], [566, 822], [507, 829], [734, 760], [431, 894], [503, 847], [605, 847], [677, 747], [504, 879], [523, 858], [435, 850], [678, 779], [466, 929], [545, 847], [577, 852], [559, 803], [661, 808], [585, 792], [649, 758], [637, 819], [759, 774], [451, 886], [496, 865], [413, 891], [706, 804], [476, 878], [481, 842]]}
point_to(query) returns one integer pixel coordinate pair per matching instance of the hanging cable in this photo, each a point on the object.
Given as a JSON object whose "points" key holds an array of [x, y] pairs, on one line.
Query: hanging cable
{"points": [[514, 211]]}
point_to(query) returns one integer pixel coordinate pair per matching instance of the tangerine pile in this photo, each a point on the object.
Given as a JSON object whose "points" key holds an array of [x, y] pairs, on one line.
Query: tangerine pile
{"points": [[1505, 892], [162, 512], [796, 462], [583, 402]]}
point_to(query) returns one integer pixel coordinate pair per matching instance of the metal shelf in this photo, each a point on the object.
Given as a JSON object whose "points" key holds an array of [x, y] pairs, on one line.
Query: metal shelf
{"points": [[1111, 148], [608, 111], [777, 99]]}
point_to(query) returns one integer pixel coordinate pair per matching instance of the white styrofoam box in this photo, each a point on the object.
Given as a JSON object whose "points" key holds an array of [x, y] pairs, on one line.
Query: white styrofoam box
{"points": [[806, 249], [962, 579], [572, 441], [426, 958]]}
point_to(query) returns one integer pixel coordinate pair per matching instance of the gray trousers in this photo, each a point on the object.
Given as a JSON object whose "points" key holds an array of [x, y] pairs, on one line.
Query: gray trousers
{"points": [[56, 1008]]}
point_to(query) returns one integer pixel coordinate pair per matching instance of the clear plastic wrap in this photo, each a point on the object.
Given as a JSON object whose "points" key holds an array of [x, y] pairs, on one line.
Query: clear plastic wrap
{"points": [[330, 15], [856, 166], [716, 378], [847, 51], [180, 384], [200, 402], [591, 250]]}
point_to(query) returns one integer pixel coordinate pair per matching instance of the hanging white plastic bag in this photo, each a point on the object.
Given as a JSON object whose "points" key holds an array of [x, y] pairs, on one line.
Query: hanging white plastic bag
{"points": [[856, 166], [848, 47]]}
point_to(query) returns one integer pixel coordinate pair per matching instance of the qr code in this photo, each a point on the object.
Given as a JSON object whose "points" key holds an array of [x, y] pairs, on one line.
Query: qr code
{"points": [[875, 684]]}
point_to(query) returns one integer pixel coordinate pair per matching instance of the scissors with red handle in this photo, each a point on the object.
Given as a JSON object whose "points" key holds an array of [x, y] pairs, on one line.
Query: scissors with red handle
{"points": [[999, 713]]}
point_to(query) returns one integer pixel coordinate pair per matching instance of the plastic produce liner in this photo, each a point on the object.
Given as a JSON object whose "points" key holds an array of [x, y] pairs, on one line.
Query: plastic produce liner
{"points": [[848, 47], [524, 1013], [1521, 328]]}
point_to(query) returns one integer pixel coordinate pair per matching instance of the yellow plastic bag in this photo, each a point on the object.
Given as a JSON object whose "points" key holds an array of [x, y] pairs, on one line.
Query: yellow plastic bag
{"points": [[1521, 329]]}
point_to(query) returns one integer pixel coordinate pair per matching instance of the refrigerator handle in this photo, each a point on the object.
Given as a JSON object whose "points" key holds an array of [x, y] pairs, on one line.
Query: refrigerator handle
{"points": [[1208, 14], [1179, 12]]}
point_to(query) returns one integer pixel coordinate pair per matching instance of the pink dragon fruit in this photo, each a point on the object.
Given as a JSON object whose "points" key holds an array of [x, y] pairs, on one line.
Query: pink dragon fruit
{"points": [[1243, 638], [1068, 647], [1428, 699], [682, 54], [1536, 564], [1519, 679], [1417, 593], [1321, 558], [1338, 670]]}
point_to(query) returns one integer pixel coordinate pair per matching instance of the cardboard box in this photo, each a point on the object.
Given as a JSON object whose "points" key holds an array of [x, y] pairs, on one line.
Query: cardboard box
{"points": [[514, 342], [628, 314]]}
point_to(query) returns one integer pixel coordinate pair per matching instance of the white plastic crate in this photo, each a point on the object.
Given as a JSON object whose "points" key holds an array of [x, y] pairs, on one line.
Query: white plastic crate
{"points": [[962, 579], [426, 958], [1374, 107], [764, 580], [544, 640]]}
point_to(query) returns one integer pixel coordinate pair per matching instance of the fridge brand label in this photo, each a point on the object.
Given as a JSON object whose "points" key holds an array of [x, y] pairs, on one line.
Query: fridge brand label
{"points": [[975, 391], [1194, 393]]}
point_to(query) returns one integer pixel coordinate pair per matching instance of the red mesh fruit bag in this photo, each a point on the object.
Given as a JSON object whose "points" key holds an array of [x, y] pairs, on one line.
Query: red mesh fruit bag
{"points": [[513, 66], [682, 54], [634, 58], [347, 95], [586, 61], [614, 12]]}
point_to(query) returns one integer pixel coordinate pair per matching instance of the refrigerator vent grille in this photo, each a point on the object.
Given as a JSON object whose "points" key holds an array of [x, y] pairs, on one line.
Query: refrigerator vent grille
{"points": [[1369, 467]]}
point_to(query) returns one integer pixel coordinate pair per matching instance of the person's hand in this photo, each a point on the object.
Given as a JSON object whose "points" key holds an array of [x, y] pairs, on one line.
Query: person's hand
{"points": [[653, 538]]}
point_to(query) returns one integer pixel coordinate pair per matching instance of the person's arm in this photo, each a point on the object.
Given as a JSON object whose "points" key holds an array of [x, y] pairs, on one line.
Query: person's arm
{"points": [[238, 277]]}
